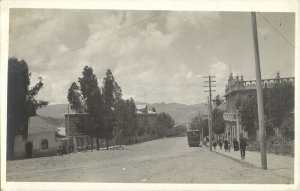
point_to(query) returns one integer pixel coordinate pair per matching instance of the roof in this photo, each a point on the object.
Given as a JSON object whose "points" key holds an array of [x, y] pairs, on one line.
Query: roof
{"points": [[76, 113], [38, 125], [141, 106], [139, 112], [151, 112]]}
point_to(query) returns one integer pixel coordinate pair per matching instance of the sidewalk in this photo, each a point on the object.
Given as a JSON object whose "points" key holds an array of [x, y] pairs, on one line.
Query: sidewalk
{"points": [[280, 165]]}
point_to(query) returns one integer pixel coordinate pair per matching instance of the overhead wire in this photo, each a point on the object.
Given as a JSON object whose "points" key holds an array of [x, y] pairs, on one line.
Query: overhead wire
{"points": [[266, 20]]}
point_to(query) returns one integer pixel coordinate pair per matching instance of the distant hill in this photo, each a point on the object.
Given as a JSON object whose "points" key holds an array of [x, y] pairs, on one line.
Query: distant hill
{"points": [[179, 112], [54, 111]]}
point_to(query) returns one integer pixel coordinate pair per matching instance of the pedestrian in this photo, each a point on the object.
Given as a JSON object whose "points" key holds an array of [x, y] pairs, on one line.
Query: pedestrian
{"points": [[214, 145], [235, 145], [59, 151], [64, 150], [226, 145], [220, 144], [243, 144], [207, 140]]}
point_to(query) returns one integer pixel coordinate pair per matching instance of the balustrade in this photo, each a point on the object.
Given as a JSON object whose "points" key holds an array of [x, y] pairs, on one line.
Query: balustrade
{"points": [[251, 84]]}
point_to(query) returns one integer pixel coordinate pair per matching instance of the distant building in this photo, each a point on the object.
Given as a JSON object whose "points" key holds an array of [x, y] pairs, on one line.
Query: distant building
{"points": [[237, 88], [79, 141], [146, 120], [41, 140]]}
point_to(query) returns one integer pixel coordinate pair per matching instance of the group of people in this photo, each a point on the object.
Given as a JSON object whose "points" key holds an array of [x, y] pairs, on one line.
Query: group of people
{"points": [[237, 145]]}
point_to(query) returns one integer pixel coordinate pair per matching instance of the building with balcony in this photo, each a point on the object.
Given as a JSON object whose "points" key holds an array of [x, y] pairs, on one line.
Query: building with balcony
{"points": [[236, 89]]}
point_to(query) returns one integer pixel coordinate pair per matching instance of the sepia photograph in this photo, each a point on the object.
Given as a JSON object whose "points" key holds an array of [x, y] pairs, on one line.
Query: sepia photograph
{"points": [[185, 97]]}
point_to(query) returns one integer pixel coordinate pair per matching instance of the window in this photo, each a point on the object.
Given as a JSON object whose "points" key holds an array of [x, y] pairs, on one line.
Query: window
{"points": [[44, 144]]}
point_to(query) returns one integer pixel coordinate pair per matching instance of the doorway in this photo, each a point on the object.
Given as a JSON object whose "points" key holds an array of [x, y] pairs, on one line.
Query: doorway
{"points": [[28, 149]]}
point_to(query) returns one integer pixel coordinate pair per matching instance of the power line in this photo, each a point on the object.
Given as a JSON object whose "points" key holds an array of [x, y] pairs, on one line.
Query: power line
{"points": [[104, 37], [266, 20]]}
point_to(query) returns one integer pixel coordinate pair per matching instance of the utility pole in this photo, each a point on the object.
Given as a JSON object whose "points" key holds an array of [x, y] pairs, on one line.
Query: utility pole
{"points": [[210, 108], [201, 128], [260, 102], [68, 142]]}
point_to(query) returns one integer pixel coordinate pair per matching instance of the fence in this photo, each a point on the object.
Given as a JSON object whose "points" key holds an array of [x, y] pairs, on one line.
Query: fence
{"points": [[83, 143], [284, 148]]}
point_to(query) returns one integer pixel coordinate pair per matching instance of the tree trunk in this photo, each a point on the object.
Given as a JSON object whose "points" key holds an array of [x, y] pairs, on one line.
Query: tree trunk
{"points": [[121, 138], [107, 144], [92, 143], [10, 147], [98, 143]]}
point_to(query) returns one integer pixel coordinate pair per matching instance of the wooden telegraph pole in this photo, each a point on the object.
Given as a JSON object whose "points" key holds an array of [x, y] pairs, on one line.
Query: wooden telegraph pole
{"points": [[210, 109], [260, 102], [68, 142]]}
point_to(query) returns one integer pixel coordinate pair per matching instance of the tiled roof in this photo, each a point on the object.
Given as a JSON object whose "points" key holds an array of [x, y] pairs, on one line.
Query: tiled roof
{"points": [[38, 125], [141, 112]]}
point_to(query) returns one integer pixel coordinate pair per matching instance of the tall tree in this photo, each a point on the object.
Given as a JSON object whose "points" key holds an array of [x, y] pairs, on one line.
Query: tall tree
{"points": [[204, 125], [132, 119], [21, 102], [218, 100], [165, 121], [93, 102], [109, 103], [74, 98], [280, 104], [127, 119], [249, 116], [218, 122], [118, 110]]}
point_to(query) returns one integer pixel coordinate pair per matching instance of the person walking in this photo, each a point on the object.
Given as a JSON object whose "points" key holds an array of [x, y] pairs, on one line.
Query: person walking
{"points": [[220, 144], [214, 145], [226, 145], [243, 144], [235, 145]]}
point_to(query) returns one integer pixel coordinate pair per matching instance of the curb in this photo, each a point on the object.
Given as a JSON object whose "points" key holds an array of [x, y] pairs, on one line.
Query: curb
{"points": [[247, 164]]}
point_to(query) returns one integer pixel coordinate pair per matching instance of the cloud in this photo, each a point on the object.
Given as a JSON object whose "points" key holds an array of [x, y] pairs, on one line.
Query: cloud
{"points": [[179, 21], [221, 71], [189, 75], [166, 56]]}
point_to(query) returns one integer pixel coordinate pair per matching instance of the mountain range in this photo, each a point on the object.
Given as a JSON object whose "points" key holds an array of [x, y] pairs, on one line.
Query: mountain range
{"points": [[181, 113]]}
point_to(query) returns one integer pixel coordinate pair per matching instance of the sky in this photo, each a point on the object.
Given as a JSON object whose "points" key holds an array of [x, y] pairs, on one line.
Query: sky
{"points": [[155, 56]]}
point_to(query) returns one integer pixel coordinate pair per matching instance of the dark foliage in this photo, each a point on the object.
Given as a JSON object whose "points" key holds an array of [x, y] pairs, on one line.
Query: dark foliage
{"points": [[21, 102]]}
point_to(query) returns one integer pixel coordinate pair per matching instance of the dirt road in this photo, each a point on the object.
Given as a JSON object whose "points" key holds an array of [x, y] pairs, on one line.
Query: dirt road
{"points": [[167, 160]]}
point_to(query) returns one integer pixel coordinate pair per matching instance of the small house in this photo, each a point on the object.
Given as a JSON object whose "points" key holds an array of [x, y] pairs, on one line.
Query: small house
{"points": [[41, 140]]}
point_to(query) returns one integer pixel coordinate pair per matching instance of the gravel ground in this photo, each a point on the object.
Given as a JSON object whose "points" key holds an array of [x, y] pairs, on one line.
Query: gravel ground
{"points": [[167, 160]]}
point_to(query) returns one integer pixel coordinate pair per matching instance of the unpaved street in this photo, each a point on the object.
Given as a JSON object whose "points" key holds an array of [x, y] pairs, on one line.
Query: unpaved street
{"points": [[167, 160]]}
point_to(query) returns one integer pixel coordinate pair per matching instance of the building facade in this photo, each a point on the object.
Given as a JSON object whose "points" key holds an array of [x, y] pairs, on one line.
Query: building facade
{"points": [[41, 140], [146, 120], [78, 140], [235, 90]]}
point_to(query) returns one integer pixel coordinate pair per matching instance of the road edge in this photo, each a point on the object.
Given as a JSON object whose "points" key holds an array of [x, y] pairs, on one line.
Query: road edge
{"points": [[247, 164]]}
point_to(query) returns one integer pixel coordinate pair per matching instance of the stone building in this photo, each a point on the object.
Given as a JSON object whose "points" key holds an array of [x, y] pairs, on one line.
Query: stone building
{"points": [[236, 89], [146, 120]]}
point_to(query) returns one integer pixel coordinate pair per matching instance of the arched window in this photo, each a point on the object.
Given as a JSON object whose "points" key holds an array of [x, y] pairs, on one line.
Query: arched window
{"points": [[44, 144]]}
